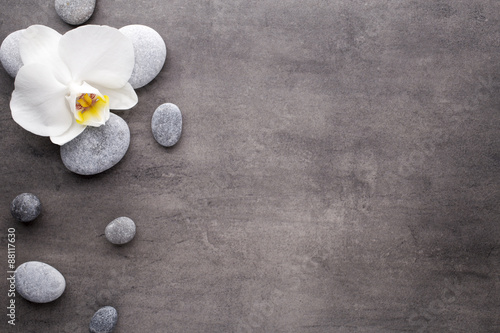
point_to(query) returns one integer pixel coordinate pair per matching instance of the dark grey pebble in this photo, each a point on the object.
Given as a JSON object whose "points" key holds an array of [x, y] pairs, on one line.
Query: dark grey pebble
{"points": [[166, 124], [98, 148], [25, 207], [120, 230], [104, 320], [39, 282]]}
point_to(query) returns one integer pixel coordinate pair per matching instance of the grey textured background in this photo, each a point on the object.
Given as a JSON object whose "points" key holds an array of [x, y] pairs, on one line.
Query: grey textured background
{"points": [[337, 172]]}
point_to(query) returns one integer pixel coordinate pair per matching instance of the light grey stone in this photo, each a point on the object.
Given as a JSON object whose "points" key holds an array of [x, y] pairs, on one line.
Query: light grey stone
{"points": [[25, 207], [9, 53], [104, 320], [120, 230], [150, 53], [98, 148], [166, 124], [38, 282], [75, 12]]}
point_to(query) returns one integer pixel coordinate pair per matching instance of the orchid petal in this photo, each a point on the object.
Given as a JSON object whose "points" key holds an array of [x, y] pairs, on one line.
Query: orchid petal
{"points": [[39, 44], [38, 102], [74, 131], [119, 99], [98, 54]]}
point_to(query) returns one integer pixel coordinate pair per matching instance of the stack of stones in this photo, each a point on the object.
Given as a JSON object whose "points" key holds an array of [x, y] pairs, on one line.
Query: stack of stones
{"points": [[96, 150]]}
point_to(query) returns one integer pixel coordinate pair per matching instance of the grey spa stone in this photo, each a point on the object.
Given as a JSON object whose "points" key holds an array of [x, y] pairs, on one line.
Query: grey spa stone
{"points": [[98, 148], [104, 320], [150, 53], [120, 230], [9, 53], [166, 124], [75, 12], [25, 207], [38, 282]]}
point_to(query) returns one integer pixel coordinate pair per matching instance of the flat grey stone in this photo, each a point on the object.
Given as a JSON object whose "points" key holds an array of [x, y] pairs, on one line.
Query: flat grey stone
{"points": [[98, 148], [120, 230], [9, 53], [150, 53], [104, 320], [75, 12], [166, 124], [38, 282], [25, 207]]}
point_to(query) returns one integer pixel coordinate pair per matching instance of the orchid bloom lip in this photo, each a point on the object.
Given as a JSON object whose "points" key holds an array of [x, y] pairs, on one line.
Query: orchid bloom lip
{"points": [[88, 105], [61, 90]]}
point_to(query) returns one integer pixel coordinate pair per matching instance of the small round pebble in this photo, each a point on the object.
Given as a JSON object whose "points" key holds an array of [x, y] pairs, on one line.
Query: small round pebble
{"points": [[166, 124], [150, 53], [9, 53], [120, 230], [75, 12], [98, 148], [25, 207], [104, 320], [38, 282]]}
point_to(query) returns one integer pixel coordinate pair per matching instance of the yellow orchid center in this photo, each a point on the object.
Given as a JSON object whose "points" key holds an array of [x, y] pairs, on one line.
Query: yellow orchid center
{"points": [[89, 107]]}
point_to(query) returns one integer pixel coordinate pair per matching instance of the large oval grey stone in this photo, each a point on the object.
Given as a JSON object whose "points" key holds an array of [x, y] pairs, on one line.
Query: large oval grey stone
{"points": [[75, 12], [150, 53], [38, 282], [25, 207], [120, 230], [104, 320], [98, 148], [166, 124], [9, 53]]}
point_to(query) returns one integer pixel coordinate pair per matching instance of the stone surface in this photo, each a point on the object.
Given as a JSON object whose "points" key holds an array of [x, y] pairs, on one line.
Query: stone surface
{"points": [[120, 230], [98, 148], [166, 124], [9, 53], [25, 207], [150, 53], [287, 208], [104, 320], [75, 12], [39, 282]]}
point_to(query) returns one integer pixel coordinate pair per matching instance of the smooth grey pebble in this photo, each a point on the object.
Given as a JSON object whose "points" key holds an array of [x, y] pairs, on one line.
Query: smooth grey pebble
{"points": [[166, 124], [150, 53], [120, 231], [9, 53], [104, 320], [39, 282], [25, 207], [75, 12], [98, 148]]}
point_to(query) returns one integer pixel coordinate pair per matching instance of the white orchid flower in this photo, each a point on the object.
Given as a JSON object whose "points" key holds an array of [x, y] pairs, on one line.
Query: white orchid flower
{"points": [[71, 81]]}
